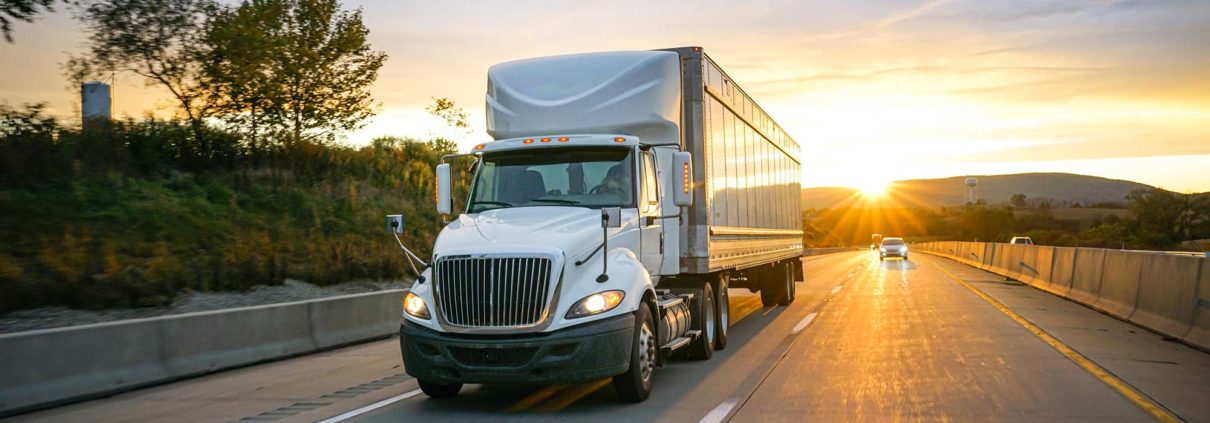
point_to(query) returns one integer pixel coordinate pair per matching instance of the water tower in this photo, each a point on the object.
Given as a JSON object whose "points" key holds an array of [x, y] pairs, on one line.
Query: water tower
{"points": [[972, 190], [95, 102]]}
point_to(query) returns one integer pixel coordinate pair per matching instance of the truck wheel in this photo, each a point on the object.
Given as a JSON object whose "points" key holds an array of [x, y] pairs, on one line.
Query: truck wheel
{"points": [[770, 288], [635, 384], [705, 321], [722, 312], [439, 390], [791, 289]]}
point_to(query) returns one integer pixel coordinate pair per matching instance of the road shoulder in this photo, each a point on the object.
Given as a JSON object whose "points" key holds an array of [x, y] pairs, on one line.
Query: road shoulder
{"points": [[1169, 372]]}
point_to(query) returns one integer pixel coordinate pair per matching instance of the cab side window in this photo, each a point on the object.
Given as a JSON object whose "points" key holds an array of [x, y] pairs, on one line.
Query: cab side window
{"points": [[651, 197]]}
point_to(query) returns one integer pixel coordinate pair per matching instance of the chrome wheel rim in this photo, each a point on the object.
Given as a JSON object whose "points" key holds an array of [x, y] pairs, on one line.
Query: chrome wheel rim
{"points": [[724, 310], [646, 352], [709, 320]]}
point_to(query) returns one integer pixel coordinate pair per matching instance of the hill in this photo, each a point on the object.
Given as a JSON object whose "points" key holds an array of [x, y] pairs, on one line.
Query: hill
{"points": [[1059, 188]]}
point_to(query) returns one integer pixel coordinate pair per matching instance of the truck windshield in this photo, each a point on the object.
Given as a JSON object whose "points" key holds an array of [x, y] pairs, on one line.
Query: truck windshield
{"points": [[583, 177]]}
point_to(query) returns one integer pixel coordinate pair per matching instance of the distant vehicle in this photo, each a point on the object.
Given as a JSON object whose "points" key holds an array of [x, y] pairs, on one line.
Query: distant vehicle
{"points": [[875, 241], [892, 247], [1021, 240]]}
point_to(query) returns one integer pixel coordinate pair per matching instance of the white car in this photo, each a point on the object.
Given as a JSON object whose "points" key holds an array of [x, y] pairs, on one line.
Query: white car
{"points": [[893, 247], [1021, 240]]}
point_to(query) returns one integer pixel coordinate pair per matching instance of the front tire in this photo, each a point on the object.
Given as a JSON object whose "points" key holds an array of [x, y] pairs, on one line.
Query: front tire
{"points": [[635, 385], [439, 390], [705, 321]]}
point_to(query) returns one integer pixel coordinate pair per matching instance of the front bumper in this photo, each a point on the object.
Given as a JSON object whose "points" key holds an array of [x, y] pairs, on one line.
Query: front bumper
{"points": [[580, 353]]}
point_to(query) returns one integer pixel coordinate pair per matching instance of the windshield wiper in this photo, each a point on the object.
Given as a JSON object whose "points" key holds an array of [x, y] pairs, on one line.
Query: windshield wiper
{"points": [[493, 203], [554, 200]]}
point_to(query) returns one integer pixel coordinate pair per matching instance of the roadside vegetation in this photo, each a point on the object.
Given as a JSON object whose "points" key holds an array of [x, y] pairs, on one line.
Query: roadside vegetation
{"points": [[248, 183], [1153, 219]]}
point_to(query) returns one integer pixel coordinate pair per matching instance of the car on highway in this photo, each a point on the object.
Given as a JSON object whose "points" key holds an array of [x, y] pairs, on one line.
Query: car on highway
{"points": [[1021, 240], [892, 247]]}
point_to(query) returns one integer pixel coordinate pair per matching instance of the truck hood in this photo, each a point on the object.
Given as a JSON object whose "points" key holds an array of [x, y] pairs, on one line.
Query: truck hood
{"points": [[571, 229]]}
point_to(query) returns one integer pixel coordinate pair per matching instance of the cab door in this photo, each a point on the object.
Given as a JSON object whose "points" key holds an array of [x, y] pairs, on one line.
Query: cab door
{"points": [[650, 225]]}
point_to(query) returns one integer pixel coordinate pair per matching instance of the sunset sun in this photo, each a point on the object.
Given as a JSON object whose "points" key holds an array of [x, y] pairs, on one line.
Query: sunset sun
{"points": [[872, 188]]}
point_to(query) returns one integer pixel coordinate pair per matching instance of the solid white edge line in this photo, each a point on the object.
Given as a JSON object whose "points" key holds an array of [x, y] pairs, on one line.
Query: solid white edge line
{"points": [[837, 289], [719, 413], [371, 407], [803, 324]]}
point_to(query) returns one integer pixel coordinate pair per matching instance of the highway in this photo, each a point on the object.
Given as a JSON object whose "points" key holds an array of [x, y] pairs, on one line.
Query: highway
{"points": [[924, 339]]}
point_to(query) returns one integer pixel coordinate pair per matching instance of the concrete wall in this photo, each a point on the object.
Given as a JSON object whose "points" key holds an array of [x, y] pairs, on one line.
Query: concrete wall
{"points": [[53, 366], [1168, 294]]}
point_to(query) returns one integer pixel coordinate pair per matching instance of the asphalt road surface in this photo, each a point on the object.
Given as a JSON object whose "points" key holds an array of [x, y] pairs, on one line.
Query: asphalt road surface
{"points": [[925, 339]]}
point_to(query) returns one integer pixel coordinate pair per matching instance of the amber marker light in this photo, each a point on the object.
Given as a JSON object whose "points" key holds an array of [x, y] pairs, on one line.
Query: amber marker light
{"points": [[480, 146], [528, 141], [564, 139], [546, 140], [685, 176], [619, 139]]}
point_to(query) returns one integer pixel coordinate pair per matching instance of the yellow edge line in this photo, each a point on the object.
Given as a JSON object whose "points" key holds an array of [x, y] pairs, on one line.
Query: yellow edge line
{"points": [[1138, 398], [537, 397]]}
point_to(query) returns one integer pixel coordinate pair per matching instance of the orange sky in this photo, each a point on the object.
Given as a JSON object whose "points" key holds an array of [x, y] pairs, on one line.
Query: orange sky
{"points": [[873, 90]]}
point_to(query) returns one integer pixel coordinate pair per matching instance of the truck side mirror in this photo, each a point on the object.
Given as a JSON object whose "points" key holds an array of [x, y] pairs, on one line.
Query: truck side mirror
{"points": [[682, 193], [444, 202]]}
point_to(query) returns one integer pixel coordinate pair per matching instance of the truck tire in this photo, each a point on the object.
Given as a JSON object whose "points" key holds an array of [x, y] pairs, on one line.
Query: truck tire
{"points": [[791, 286], [722, 312], [704, 320], [635, 385], [439, 390]]}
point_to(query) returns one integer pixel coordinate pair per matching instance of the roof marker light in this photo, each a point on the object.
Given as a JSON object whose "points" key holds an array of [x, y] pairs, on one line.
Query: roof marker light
{"points": [[564, 139], [619, 139], [528, 141], [546, 140], [480, 146]]}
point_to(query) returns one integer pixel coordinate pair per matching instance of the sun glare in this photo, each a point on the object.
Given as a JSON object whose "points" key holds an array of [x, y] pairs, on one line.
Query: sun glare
{"points": [[873, 188]]}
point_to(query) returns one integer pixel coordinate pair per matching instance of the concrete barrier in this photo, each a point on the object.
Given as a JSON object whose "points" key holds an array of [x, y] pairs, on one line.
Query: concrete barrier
{"points": [[1199, 334], [1062, 270], [1166, 294], [55, 366], [1119, 291], [1086, 277], [1000, 258], [1169, 294], [1036, 272]]}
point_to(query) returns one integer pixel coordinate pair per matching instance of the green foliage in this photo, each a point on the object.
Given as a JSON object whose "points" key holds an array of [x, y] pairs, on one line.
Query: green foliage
{"points": [[300, 67], [134, 213]]}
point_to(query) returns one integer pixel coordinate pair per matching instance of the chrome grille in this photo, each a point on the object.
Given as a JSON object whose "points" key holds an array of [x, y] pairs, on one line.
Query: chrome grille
{"points": [[492, 292]]}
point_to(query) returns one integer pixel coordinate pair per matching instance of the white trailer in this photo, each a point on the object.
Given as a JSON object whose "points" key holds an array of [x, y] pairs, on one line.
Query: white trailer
{"points": [[625, 192]]}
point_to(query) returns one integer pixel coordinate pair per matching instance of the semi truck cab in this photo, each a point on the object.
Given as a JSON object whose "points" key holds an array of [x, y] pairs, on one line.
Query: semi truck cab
{"points": [[586, 248]]}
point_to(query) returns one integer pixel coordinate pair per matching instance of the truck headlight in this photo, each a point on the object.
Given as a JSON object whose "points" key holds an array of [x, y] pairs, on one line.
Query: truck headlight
{"points": [[596, 304], [414, 306]]}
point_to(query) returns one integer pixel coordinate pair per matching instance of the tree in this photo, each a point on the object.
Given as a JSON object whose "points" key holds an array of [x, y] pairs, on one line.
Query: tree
{"points": [[20, 10], [1018, 201], [160, 40], [303, 66], [236, 68]]}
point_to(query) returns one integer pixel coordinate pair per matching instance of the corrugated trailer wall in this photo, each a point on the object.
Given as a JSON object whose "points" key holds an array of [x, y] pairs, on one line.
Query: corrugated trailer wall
{"points": [[750, 175]]}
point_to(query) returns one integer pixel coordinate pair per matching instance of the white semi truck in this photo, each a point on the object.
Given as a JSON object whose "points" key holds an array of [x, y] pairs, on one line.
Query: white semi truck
{"points": [[624, 194]]}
